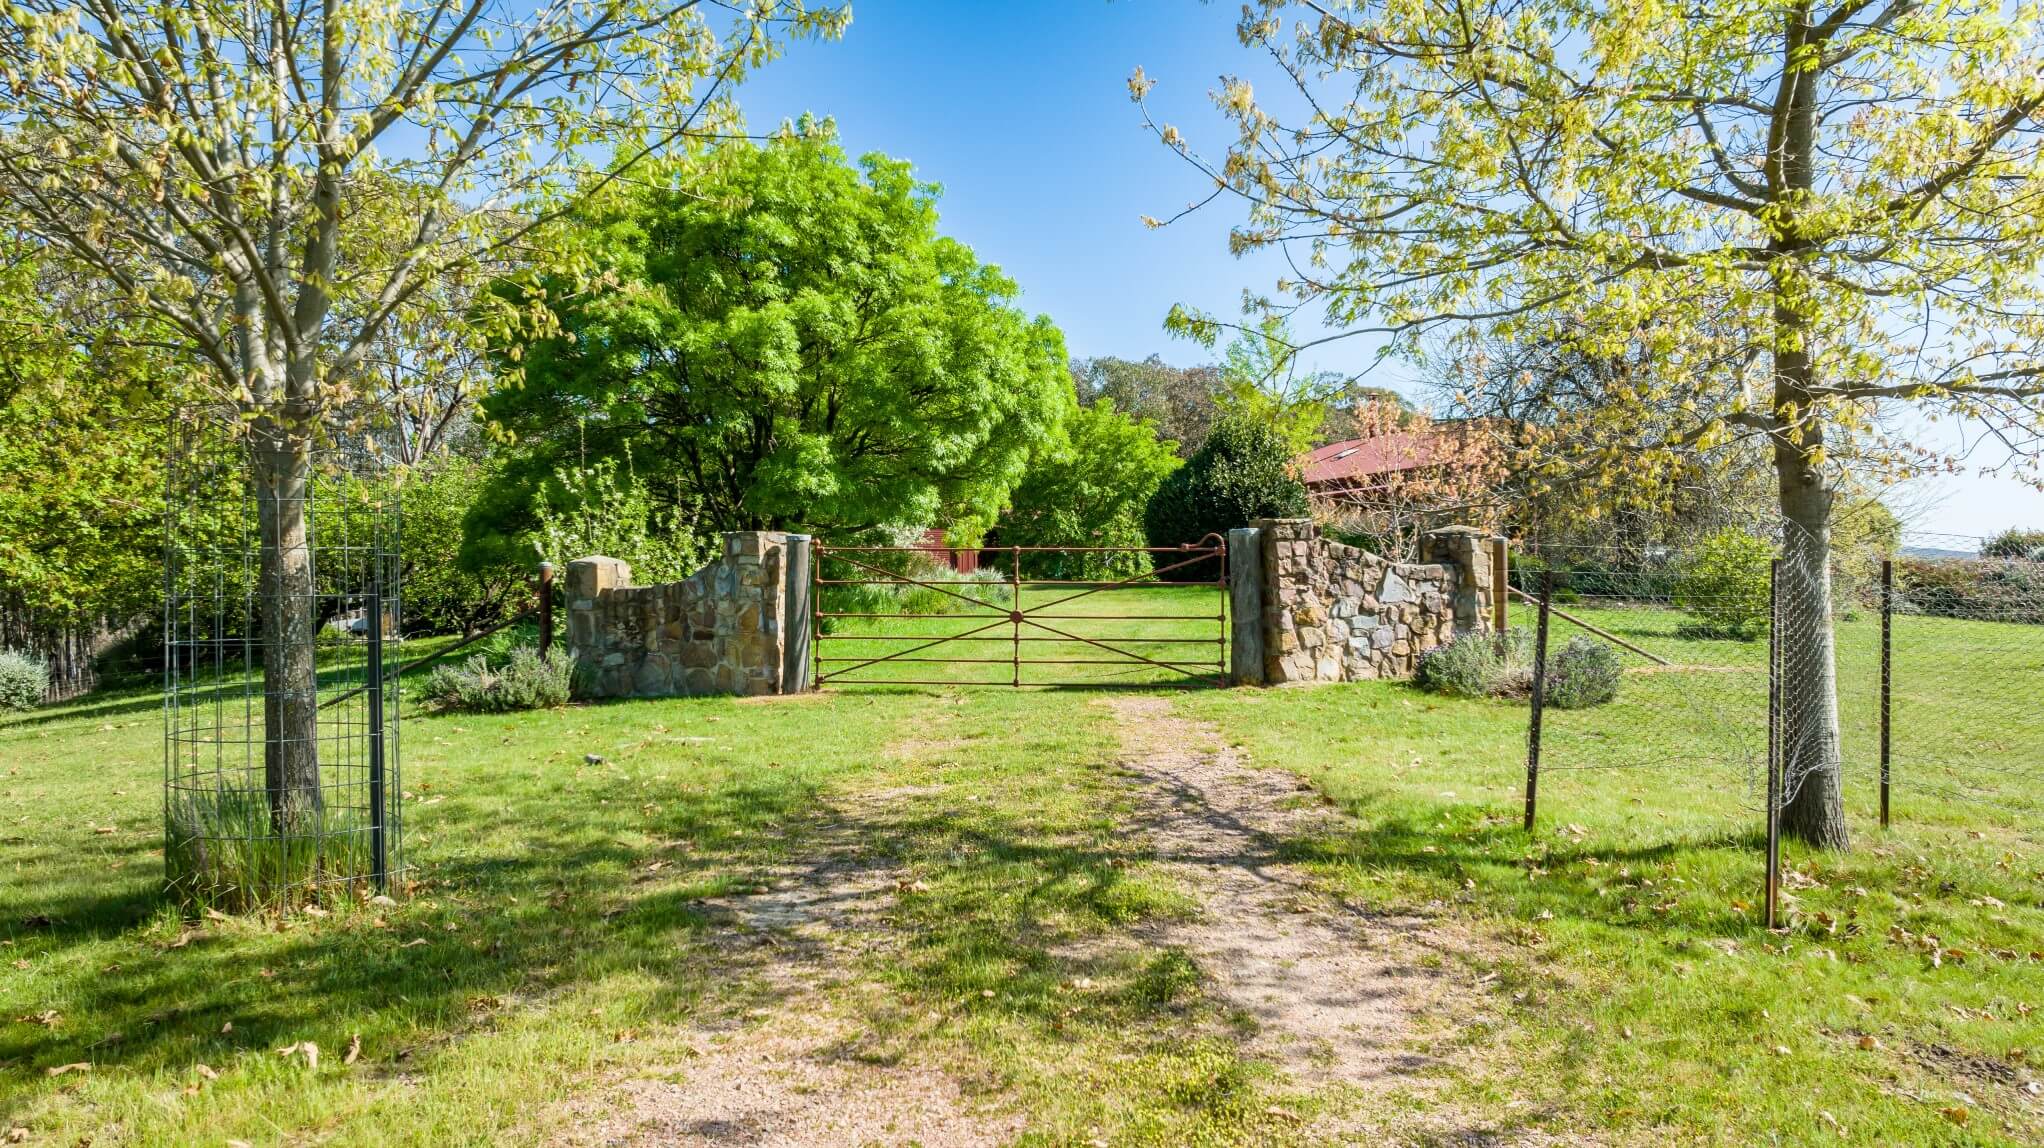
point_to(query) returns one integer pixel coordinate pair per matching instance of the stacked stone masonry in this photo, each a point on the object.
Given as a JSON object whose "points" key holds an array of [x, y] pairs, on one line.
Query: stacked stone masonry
{"points": [[1333, 613], [720, 631]]}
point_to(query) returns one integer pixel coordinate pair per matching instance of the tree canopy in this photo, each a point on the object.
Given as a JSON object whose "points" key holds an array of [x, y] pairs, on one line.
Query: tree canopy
{"points": [[1241, 473], [1182, 401], [1089, 488], [783, 340], [1808, 214]]}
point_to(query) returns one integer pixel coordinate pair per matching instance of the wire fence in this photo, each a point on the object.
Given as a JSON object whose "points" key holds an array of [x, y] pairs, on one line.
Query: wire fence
{"points": [[1964, 696], [1790, 690], [281, 776]]}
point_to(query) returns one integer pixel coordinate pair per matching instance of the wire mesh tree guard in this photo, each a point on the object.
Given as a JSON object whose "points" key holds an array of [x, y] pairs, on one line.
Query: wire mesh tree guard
{"points": [[281, 781]]}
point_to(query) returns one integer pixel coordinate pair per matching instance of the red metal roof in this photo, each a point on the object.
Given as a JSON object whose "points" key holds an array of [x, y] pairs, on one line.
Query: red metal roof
{"points": [[1360, 458]]}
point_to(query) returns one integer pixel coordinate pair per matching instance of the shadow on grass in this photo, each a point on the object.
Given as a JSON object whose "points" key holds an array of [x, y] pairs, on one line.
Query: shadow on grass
{"points": [[1601, 884], [518, 917]]}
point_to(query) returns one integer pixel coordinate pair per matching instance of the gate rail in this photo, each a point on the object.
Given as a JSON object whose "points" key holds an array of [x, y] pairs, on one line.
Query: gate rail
{"points": [[1014, 615]]}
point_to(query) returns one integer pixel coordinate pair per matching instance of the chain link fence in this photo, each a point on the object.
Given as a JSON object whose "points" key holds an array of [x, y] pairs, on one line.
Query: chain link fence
{"points": [[1774, 687]]}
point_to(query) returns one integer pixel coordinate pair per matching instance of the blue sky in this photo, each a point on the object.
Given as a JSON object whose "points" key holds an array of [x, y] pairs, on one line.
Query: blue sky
{"points": [[1021, 112]]}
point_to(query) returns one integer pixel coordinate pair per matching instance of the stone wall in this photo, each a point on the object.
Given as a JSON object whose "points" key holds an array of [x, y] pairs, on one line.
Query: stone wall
{"points": [[1333, 613], [720, 631]]}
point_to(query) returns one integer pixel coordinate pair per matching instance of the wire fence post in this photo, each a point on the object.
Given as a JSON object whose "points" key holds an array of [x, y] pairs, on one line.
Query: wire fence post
{"points": [[1500, 585], [1887, 646], [1015, 609], [1539, 701], [379, 853], [1771, 891], [546, 609]]}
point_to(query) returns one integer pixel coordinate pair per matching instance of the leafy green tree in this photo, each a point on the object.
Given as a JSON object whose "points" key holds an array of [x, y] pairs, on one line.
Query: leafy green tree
{"points": [[783, 341], [1242, 473], [1090, 489], [1815, 214], [197, 156], [1182, 401], [82, 439], [443, 597]]}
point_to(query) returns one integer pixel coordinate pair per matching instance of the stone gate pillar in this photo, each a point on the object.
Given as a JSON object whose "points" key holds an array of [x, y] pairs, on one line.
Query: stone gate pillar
{"points": [[1467, 549]]}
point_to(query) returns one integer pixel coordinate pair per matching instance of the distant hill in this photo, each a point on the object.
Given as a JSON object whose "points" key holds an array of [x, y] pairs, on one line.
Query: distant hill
{"points": [[1937, 552]]}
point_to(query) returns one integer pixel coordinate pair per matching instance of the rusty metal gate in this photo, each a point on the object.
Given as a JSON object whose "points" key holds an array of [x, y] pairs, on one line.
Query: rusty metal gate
{"points": [[991, 599]]}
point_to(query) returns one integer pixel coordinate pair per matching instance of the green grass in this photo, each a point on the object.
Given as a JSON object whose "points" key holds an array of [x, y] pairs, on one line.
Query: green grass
{"points": [[557, 933], [1647, 1002], [563, 929], [1148, 634]]}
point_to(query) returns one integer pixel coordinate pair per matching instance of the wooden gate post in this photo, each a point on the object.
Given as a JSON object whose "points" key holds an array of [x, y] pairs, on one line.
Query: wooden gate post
{"points": [[1245, 606]]}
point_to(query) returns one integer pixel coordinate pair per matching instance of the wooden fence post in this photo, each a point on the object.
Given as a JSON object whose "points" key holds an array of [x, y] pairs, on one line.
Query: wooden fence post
{"points": [[546, 609]]}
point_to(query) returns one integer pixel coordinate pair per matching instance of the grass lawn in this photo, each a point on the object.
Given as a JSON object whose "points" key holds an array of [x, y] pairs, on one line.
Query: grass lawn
{"points": [[570, 921]]}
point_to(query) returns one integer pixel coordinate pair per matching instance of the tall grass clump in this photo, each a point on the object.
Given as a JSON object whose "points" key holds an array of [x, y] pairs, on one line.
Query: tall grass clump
{"points": [[24, 678], [223, 850], [521, 680]]}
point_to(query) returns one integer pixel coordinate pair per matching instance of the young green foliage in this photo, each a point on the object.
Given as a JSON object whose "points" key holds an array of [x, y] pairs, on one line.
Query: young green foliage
{"points": [[784, 341], [1807, 216], [1089, 490]]}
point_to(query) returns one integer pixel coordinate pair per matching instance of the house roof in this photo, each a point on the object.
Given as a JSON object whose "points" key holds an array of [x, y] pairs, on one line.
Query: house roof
{"points": [[1361, 458]]}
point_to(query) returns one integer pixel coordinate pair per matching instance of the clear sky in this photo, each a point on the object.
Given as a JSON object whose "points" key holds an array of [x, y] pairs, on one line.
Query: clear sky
{"points": [[1021, 111]]}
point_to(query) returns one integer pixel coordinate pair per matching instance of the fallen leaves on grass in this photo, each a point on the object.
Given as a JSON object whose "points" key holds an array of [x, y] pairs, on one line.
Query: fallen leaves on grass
{"points": [[304, 1048], [1957, 1114]]}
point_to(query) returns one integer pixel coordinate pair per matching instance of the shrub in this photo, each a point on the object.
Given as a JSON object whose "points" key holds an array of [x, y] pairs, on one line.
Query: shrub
{"points": [[1583, 673], [24, 678], [1724, 586], [443, 597], [2005, 591], [1472, 664], [2015, 543], [1242, 472], [522, 681]]}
